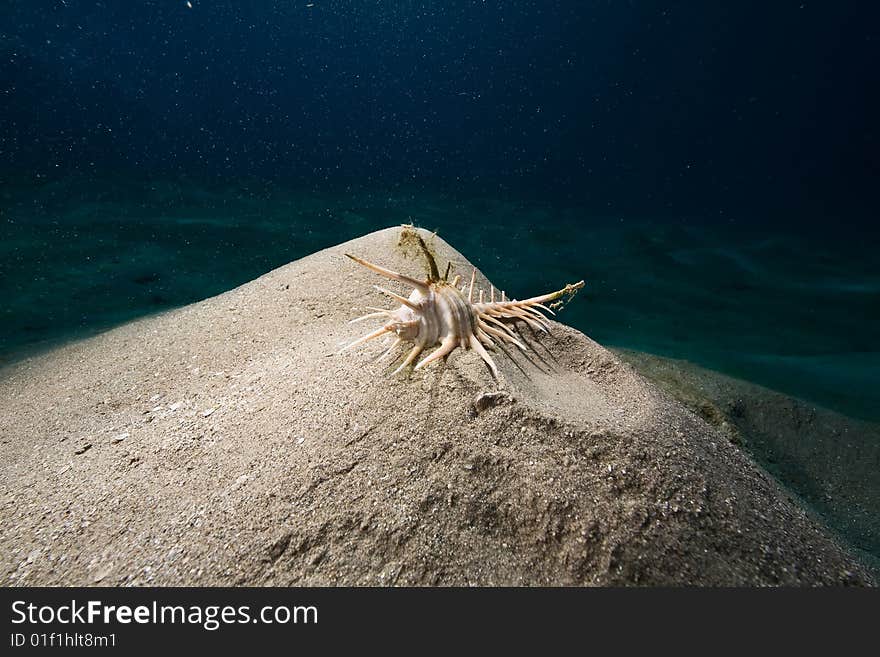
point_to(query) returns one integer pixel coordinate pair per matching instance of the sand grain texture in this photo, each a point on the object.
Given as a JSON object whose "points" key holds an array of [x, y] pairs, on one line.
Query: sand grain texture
{"points": [[226, 443], [831, 461]]}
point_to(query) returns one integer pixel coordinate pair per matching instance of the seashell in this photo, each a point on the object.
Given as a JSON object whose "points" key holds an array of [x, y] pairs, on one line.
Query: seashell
{"points": [[438, 312]]}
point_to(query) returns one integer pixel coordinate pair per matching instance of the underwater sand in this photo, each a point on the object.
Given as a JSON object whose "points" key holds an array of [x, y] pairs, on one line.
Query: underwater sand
{"points": [[830, 461], [228, 443]]}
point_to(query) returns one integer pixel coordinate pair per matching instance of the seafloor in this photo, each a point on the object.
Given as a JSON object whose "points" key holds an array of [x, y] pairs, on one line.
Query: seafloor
{"points": [[794, 308], [227, 442]]}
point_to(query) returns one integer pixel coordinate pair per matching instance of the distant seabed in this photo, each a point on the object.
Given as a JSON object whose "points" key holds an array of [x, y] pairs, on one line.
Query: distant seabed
{"points": [[792, 309]]}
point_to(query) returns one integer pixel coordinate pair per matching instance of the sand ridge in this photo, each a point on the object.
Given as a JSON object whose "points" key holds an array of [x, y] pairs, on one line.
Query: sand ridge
{"points": [[226, 442]]}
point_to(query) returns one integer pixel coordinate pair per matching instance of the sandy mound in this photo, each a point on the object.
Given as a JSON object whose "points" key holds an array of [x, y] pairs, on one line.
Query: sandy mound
{"points": [[226, 443], [830, 460]]}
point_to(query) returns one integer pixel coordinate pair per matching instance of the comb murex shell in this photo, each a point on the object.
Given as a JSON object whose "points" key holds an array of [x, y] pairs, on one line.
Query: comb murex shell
{"points": [[439, 313]]}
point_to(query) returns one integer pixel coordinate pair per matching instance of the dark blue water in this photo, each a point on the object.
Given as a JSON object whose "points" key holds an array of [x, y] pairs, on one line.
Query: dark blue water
{"points": [[711, 169], [751, 110]]}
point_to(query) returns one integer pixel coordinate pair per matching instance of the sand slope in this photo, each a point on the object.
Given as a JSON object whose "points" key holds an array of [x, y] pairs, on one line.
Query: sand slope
{"points": [[830, 460], [227, 443]]}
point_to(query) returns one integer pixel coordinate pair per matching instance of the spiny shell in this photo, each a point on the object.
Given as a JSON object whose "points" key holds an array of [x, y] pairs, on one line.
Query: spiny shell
{"points": [[437, 312]]}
